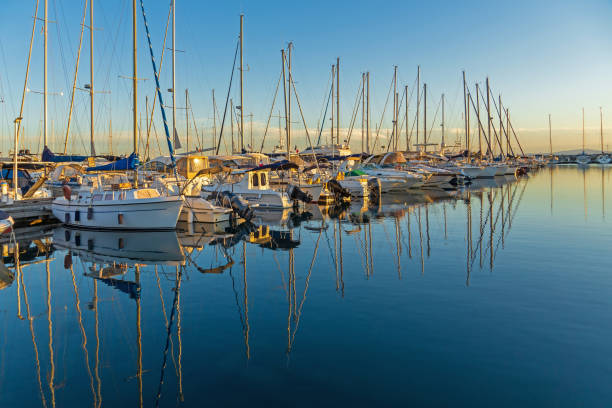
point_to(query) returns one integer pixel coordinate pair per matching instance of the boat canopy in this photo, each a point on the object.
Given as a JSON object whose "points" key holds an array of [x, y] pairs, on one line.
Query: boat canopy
{"points": [[128, 163], [280, 165], [49, 156]]}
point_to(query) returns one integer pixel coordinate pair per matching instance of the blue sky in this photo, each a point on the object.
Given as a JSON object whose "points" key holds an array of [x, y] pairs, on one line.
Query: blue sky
{"points": [[543, 57]]}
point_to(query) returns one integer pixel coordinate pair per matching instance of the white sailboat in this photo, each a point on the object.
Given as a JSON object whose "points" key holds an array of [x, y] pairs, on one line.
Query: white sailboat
{"points": [[114, 204]]}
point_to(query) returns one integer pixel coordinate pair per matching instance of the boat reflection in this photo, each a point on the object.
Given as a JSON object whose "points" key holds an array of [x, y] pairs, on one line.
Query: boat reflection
{"points": [[121, 247]]}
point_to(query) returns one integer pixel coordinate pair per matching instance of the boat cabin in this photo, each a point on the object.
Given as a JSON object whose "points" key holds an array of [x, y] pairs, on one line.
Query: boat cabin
{"points": [[189, 166]]}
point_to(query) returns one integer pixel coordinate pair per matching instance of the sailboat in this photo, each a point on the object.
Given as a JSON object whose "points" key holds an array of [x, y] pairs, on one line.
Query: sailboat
{"points": [[583, 158], [602, 158], [115, 203]]}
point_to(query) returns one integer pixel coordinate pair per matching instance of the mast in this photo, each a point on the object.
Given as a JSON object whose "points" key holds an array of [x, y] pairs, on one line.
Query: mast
{"points": [[479, 126], [232, 124], [550, 135], [45, 75], [368, 113], [442, 145], [489, 118], [395, 108], [501, 128], [362, 111], [288, 112], [337, 103], [418, 87], [465, 105], [601, 129], [406, 119], [285, 94], [333, 86], [135, 85], [214, 120], [425, 117], [187, 117], [241, 85], [582, 130], [174, 133], [91, 81]]}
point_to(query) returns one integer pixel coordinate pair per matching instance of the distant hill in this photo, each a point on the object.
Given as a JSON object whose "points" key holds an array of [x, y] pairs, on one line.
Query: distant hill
{"points": [[577, 151]]}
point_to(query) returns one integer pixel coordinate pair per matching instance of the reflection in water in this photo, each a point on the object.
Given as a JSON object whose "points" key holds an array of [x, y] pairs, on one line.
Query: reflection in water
{"points": [[339, 263]]}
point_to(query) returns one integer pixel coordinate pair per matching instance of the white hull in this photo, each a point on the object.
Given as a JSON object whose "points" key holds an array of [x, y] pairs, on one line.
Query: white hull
{"points": [[261, 198], [196, 209], [358, 187], [145, 214], [500, 169]]}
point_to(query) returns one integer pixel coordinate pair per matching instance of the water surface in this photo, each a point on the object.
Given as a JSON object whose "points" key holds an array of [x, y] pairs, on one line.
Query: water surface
{"points": [[497, 295]]}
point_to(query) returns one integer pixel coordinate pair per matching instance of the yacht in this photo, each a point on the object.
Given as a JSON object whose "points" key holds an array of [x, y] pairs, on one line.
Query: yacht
{"points": [[253, 186], [114, 204]]}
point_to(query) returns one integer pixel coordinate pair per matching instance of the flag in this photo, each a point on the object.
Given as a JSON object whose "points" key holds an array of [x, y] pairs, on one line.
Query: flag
{"points": [[177, 142]]}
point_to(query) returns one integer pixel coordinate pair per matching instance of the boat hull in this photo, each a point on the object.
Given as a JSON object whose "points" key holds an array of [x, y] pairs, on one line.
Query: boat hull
{"points": [[159, 213]]}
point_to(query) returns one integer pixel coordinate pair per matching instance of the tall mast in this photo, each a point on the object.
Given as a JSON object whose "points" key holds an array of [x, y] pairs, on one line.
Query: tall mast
{"points": [[489, 118], [395, 107], [362, 112], [232, 112], [582, 130], [241, 84], [337, 101], [368, 112], [285, 94], [45, 75], [91, 81], [288, 112], [601, 129], [214, 120], [550, 135], [501, 126], [174, 133], [479, 126], [333, 87], [465, 105], [418, 102], [442, 145], [187, 117], [406, 118], [135, 81], [425, 117]]}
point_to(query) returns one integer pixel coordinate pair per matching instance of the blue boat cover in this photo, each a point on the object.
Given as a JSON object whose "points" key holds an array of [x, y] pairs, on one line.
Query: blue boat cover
{"points": [[48, 156], [128, 163]]}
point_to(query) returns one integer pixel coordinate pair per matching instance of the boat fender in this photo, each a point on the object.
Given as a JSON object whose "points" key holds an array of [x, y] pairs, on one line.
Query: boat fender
{"points": [[120, 218], [296, 193], [68, 261], [67, 192], [89, 213]]}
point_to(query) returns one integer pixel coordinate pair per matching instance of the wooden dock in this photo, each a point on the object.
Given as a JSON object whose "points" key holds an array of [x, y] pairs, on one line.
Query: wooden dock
{"points": [[28, 211]]}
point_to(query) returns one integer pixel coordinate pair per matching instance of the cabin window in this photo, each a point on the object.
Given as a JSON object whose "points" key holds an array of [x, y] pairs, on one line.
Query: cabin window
{"points": [[255, 180], [263, 179], [196, 164], [97, 197], [181, 167], [108, 196]]}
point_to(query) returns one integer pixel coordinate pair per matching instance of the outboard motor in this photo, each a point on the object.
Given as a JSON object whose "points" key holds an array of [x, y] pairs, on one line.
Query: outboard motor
{"points": [[235, 202], [374, 189], [338, 191], [296, 193]]}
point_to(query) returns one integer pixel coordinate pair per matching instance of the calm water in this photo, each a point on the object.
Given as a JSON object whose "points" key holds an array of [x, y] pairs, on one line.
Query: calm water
{"points": [[495, 296]]}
